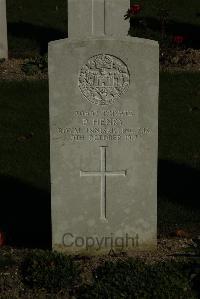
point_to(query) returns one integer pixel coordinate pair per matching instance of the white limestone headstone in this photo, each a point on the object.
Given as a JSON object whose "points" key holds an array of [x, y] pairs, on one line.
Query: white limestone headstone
{"points": [[97, 18], [3, 30], [104, 132]]}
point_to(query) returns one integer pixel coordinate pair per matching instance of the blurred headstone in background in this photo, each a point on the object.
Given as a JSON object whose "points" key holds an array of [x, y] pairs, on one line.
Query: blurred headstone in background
{"points": [[3, 30]]}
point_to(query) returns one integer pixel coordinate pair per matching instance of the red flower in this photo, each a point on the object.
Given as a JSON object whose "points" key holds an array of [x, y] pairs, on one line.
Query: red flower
{"points": [[178, 39], [135, 9], [2, 239]]}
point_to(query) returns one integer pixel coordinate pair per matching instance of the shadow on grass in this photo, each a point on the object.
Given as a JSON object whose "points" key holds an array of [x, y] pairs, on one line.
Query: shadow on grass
{"points": [[179, 183], [41, 35], [190, 31], [25, 214]]}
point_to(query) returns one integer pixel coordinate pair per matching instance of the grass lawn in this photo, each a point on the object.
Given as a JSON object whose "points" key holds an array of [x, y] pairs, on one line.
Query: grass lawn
{"points": [[25, 214], [25, 132], [24, 163], [179, 118], [24, 147], [31, 25], [186, 12], [179, 151]]}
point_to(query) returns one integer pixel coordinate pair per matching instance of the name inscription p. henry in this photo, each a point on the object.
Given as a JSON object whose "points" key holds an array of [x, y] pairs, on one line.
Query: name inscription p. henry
{"points": [[104, 125]]}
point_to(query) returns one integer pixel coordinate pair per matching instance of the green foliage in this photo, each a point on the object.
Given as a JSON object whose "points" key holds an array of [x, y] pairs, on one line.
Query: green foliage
{"points": [[49, 270], [135, 279], [34, 65]]}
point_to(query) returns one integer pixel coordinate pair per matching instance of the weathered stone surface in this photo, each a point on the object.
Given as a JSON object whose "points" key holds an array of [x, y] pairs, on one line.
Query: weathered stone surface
{"points": [[3, 30], [97, 17], [104, 126]]}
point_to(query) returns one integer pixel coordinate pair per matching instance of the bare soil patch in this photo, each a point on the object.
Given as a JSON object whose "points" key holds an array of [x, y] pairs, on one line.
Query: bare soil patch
{"points": [[185, 60], [11, 69]]}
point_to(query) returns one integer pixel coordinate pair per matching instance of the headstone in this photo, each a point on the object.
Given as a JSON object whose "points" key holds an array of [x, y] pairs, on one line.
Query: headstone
{"points": [[3, 30], [97, 18], [104, 133]]}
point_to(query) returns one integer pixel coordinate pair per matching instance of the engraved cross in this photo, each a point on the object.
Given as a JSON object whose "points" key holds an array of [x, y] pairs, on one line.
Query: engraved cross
{"points": [[103, 173]]}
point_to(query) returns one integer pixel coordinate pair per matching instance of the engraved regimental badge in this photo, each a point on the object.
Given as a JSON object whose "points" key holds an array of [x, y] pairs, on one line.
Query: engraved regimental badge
{"points": [[103, 79]]}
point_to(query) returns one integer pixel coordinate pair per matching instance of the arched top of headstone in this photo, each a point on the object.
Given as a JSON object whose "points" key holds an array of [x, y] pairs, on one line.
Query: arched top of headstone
{"points": [[94, 18]]}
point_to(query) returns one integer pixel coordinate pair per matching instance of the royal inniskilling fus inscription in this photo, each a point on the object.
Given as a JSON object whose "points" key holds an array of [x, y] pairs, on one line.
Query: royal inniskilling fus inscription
{"points": [[103, 79]]}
